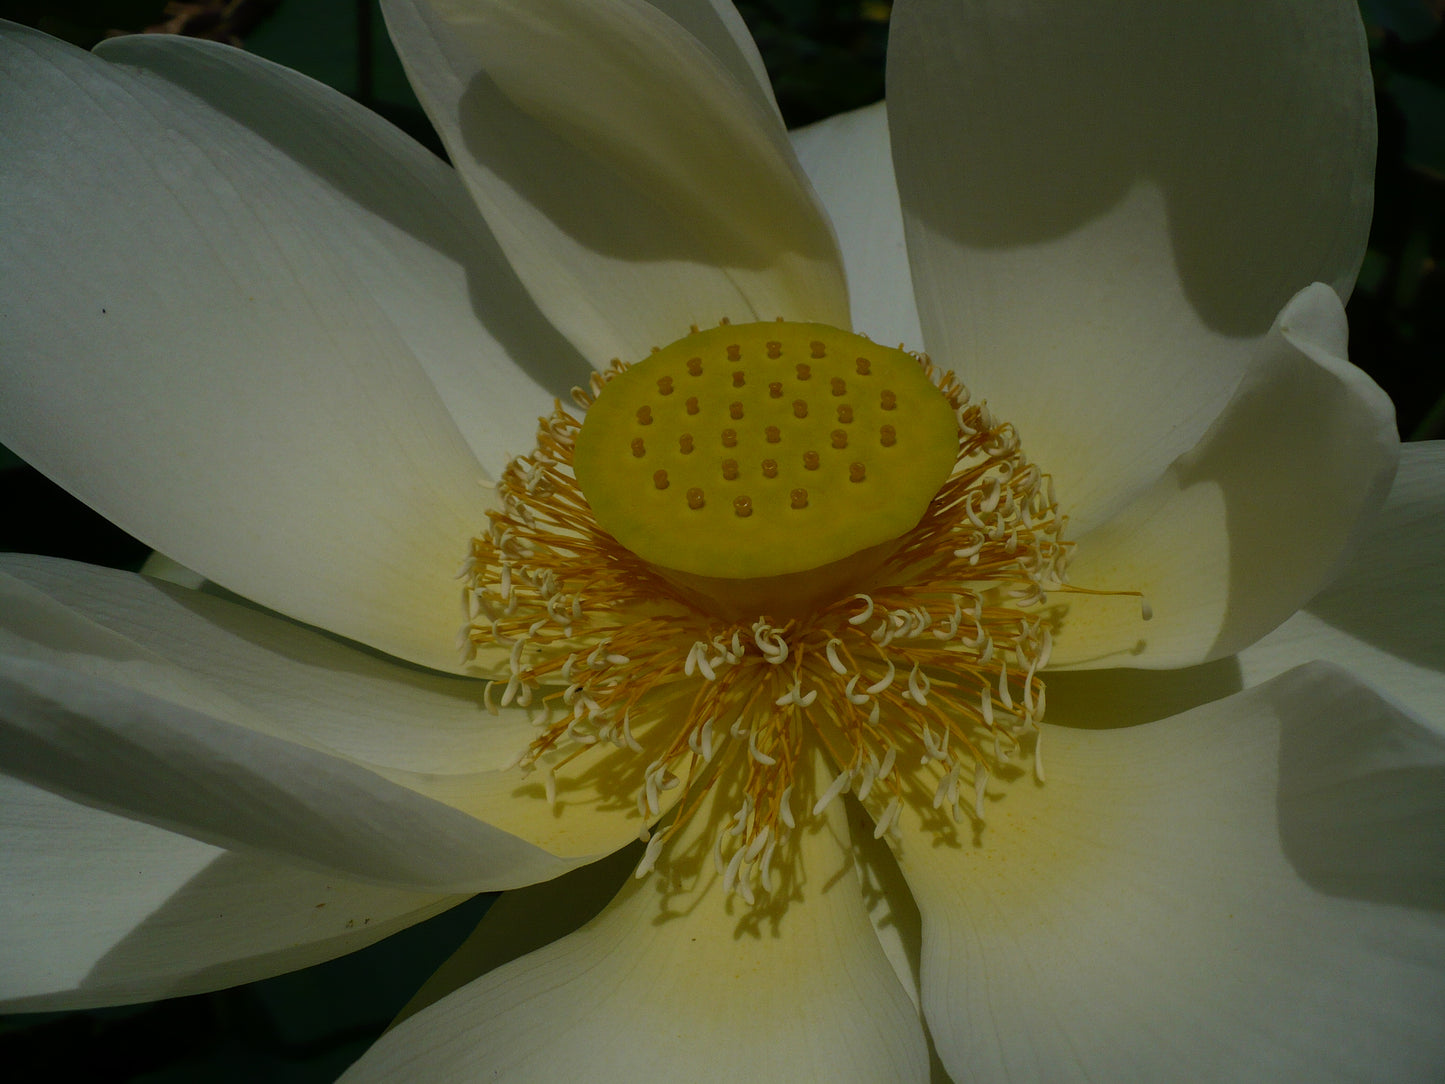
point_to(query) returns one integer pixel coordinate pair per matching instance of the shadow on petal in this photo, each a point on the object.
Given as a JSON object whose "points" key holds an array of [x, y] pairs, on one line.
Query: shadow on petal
{"points": [[1361, 799], [1109, 699]]}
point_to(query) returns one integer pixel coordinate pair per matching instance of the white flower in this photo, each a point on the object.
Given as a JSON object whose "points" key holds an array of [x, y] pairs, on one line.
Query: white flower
{"points": [[274, 339]]}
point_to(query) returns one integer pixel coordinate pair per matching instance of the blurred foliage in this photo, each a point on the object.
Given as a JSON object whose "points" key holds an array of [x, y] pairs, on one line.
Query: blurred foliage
{"points": [[1397, 314], [825, 57]]}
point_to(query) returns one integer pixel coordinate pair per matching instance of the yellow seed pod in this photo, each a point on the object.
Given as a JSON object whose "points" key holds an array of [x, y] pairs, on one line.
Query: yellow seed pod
{"points": [[727, 455]]}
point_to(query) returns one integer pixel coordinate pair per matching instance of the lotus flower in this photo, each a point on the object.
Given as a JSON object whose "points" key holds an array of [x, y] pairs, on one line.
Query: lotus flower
{"points": [[285, 346]]}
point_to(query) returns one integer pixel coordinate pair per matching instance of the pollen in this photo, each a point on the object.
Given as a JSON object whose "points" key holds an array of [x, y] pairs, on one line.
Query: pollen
{"points": [[696, 588]]}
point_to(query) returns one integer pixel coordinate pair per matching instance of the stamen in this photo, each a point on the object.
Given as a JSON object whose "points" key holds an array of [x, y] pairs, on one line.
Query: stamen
{"points": [[621, 650]]}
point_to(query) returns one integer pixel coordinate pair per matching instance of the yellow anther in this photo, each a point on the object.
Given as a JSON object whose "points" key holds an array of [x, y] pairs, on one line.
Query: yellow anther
{"points": [[860, 494]]}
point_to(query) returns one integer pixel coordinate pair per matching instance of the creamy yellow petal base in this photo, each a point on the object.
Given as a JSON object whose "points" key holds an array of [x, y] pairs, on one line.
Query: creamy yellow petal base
{"points": [[1250, 890], [672, 974]]}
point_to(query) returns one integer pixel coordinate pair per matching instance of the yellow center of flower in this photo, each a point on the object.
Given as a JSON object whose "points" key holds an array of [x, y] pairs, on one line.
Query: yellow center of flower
{"points": [[768, 547], [764, 449]]}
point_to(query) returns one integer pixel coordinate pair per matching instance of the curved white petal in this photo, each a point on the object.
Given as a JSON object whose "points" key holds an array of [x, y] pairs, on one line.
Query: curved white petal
{"points": [[676, 977], [150, 665], [1381, 619], [895, 918], [717, 25], [309, 687], [104, 744], [635, 181], [195, 345], [527, 919], [1248, 891], [847, 158], [1246, 527], [96, 909], [403, 223], [1107, 204]]}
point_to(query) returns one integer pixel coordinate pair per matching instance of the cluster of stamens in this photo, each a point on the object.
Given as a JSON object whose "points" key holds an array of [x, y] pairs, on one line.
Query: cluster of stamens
{"points": [[917, 690]]}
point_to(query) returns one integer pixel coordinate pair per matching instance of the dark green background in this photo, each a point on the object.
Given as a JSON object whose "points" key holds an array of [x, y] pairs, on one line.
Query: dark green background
{"points": [[825, 56]]}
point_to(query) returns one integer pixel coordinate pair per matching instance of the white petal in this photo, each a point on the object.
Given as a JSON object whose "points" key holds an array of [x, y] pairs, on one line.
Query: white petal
{"points": [[527, 919], [799, 991], [1381, 619], [895, 918], [192, 347], [308, 687], [1107, 204], [404, 223], [171, 675], [109, 746], [717, 25], [636, 184], [96, 909], [1245, 528], [847, 158], [1250, 890]]}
